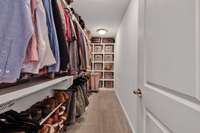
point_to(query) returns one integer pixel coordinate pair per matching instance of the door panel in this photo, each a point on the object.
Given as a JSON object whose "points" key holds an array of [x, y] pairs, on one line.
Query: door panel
{"points": [[169, 65], [171, 47], [154, 125], [178, 114]]}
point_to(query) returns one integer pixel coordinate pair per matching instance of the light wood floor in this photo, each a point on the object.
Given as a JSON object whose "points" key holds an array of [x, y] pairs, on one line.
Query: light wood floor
{"points": [[104, 115]]}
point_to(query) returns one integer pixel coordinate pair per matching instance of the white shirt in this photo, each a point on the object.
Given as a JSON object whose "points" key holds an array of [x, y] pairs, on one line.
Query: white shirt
{"points": [[46, 57]]}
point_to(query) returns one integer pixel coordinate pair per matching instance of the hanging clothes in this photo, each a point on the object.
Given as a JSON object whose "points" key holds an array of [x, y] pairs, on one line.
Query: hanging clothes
{"points": [[74, 36], [60, 29], [62, 14], [52, 36], [72, 44], [46, 57], [68, 33], [81, 48], [86, 51], [79, 99], [32, 54], [16, 30], [80, 102], [46, 35], [74, 58]]}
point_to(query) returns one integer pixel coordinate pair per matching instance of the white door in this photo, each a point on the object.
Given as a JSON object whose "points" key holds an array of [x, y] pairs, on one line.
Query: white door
{"points": [[169, 65]]}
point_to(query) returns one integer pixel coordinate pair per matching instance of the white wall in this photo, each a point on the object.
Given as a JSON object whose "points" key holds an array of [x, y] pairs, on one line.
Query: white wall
{"points": [[126, 63]]}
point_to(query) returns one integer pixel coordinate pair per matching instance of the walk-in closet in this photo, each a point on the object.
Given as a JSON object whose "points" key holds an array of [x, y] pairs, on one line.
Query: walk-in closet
{"points": [[99, 66]]}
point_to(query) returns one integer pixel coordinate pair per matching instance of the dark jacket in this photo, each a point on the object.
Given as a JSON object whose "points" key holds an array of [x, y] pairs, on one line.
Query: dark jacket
{"points": [[64, 56]]}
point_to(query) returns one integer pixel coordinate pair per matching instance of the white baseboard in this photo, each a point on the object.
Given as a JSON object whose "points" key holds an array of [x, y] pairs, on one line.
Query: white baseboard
{"points": [[126, 114]]}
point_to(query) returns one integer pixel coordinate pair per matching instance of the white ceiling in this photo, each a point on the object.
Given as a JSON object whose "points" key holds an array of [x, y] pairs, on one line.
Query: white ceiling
{"points": [[101, 14]]}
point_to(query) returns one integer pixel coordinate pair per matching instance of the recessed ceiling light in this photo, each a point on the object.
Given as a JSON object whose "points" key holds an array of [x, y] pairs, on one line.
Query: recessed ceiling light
{"points": [[102, 31]]}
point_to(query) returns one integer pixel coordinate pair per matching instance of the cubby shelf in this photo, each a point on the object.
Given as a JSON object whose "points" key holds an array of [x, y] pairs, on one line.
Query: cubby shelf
{"points": [[109, 53], [107, 79], [111, 44], [112, 53], [108, 61], [106, 71], [97, 61], [102, 61], [97, 52]]}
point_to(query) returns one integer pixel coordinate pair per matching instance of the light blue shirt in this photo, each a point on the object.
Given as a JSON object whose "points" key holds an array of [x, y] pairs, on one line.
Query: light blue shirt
{"points": [[16, 29], [52, 35]]}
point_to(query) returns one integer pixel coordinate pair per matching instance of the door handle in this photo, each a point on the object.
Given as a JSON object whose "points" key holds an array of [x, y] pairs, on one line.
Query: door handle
{"points": [[138, 92]]}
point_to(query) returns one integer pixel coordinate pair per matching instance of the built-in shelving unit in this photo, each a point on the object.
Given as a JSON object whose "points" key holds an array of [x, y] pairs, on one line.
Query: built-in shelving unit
{"points": [[103, 60]]}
